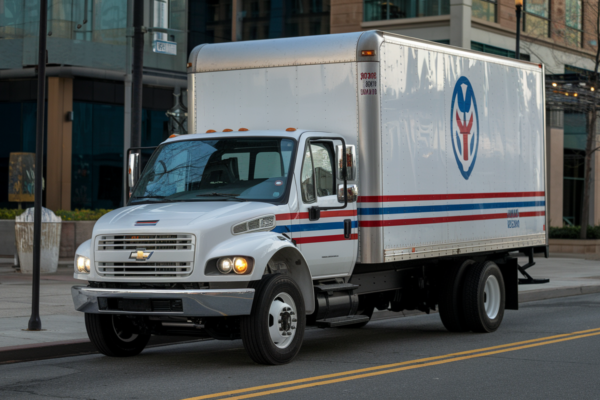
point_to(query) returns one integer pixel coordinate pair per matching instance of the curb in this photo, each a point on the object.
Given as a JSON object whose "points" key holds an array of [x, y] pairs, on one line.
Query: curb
{"points": [[554, 293]]}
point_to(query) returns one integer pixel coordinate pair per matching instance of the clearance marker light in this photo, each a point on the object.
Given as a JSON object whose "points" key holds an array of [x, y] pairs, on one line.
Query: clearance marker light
{"points": [[367, 53], [211, 131], [290, 130], [188, 65], [173, 135], [227, 130], [243, 130]]}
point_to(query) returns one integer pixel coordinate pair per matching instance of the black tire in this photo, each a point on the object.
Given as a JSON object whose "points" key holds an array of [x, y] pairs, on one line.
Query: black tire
{"points": [[255, 327], [451, 296], [475, 297], [102, 331]]}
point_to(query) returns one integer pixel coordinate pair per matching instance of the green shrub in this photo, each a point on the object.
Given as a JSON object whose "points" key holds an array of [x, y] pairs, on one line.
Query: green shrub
{"points": [[10, 213], [75, 215], [572, 232]]}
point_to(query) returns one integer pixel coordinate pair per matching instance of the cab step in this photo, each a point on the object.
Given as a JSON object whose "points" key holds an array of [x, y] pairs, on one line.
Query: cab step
{"points": [[342, 321]]}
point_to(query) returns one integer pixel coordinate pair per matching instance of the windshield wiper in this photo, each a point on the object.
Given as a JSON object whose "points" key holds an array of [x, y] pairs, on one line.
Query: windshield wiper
{"points": [[226, 195]]}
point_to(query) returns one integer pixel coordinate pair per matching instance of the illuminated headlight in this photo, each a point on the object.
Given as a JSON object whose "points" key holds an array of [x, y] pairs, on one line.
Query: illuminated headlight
{"points": [[82, 264], [265, 223], [239, 265]]}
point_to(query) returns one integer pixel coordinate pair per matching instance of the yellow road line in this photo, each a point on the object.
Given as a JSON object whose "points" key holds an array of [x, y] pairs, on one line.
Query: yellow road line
{"points": [[388, 371], [380, 367]]}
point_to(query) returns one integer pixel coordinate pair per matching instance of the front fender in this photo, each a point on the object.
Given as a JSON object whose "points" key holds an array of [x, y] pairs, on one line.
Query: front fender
{"points": [[263, 247], [84, 249]]}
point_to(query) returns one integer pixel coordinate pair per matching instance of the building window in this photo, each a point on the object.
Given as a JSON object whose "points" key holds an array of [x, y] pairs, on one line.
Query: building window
{"points": [[536, 18], [484, 9], [486, 48], [377, 10], [573, 22]]}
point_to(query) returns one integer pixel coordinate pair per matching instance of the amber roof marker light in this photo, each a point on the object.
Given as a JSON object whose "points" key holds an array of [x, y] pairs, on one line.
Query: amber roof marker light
{"points": [[290, 130], [211, 131], [242, 130], [227, 130], [367, 53]]}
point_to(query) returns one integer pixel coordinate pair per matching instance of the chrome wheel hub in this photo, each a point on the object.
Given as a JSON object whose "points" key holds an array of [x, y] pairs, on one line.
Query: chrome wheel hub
{"points": [[282, 320], [491, 297]]}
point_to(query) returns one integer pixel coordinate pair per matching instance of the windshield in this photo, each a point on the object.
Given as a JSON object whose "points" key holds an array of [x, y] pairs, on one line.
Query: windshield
{"points": [[233, 169]]}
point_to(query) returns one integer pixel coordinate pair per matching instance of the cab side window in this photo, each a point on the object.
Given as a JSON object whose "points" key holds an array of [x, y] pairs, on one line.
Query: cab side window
{"points": [[307, 178], [323, 163]]}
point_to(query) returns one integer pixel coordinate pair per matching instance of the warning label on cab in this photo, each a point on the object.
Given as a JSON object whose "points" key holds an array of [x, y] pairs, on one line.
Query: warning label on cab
{"points": [[369, 83]]}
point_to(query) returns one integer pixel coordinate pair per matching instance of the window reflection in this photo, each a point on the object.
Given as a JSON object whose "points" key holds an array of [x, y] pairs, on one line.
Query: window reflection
{"points": [[375, 10]]}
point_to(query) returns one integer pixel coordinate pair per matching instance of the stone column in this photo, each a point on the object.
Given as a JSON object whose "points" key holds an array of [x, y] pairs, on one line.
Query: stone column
{"points": [[460, 23], [58, 164]]}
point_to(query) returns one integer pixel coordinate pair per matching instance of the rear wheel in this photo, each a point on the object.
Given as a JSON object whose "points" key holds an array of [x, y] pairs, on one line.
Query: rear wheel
{"points": [[273, 332], [451, 298], [484, 297], [115, 335]]}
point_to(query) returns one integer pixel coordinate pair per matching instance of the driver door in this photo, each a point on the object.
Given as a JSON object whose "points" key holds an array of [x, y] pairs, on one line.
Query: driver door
{"points": [[329, 243]]}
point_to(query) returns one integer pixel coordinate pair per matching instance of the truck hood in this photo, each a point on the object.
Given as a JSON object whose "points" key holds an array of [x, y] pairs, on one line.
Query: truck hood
{"points": [[182, 214]]}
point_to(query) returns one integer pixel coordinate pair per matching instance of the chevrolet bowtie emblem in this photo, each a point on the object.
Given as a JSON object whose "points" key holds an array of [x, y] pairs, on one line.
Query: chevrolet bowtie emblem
{"points": [[140, 255]]}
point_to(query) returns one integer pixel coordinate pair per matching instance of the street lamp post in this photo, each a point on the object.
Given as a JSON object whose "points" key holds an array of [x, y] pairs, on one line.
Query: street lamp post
{"points": [[519, 9]]}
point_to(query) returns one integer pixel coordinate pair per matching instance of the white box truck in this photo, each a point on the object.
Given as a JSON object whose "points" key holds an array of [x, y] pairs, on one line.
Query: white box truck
{"points": [[325, 177]]}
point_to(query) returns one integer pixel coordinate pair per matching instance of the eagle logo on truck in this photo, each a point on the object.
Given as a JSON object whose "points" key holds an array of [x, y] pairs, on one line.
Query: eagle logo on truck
{"points": [[464, 122]]}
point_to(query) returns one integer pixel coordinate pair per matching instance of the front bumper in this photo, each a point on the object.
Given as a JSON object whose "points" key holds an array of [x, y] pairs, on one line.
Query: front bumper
{"points": [[193, 302]]}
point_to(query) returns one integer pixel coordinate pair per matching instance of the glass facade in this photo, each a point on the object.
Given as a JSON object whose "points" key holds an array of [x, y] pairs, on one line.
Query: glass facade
{"points": [[536, 17], [484, 9], [377, 10], [18, 135], [270, 19], [88, 33], [97, 163], [574, 23], [209, 21]]}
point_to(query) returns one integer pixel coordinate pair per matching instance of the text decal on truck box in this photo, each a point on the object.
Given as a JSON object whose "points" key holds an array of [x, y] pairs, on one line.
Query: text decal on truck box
{"points": [[464, 124], [368, 83]]}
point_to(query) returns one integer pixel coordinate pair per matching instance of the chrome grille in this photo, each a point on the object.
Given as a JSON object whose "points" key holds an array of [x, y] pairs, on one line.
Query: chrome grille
{"points": [[147, 269], [147, 242]]}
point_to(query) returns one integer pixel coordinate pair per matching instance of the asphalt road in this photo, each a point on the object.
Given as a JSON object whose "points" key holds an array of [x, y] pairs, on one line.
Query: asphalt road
{"points": [[548, 350]]}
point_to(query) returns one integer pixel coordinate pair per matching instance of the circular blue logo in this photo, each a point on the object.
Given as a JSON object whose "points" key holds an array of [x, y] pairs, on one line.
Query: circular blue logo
{"points": [[464, 125]]}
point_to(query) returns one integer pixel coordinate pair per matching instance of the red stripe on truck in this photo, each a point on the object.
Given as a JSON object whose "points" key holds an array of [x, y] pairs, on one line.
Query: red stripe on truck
{"points": [[457, 196], [321, 239], [442, 220], [324, 214]]}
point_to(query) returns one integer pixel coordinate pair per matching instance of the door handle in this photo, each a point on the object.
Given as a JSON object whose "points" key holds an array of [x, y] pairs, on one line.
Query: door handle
{"points": [[347, 228]]}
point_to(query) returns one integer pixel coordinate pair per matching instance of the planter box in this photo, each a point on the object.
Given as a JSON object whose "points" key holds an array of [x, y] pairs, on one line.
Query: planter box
{"points": [[73, 233], [578, 246]]}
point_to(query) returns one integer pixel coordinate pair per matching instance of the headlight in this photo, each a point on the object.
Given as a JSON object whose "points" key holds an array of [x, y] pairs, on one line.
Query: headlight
{"points": [[239, 265], [82, 264], [265, 223], [225, 265]]}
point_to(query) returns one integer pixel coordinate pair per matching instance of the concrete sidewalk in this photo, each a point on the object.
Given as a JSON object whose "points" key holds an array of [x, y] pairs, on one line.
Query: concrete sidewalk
{"points": [[63, 325]]}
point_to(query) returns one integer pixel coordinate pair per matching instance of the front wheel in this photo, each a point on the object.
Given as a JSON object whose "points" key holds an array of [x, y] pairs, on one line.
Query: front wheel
{"points": [[273, 332], [484, 297], [115, 335]]}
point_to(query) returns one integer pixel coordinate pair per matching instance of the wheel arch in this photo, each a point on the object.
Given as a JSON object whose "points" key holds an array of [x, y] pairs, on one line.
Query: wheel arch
{"points": [[297, 268]]}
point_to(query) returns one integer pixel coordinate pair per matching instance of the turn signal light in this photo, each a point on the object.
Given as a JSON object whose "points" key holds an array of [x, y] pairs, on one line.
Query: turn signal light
{"points": [[227, 130], [367, 53], [240, 265]]}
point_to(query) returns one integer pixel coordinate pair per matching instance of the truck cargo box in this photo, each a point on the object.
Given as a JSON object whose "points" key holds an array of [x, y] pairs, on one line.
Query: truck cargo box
{"points": [[451, 142]]}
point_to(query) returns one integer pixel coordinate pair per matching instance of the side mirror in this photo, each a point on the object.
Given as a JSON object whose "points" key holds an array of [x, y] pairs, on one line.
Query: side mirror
{"points": [[350, 160], [133, 170], [352, 193]]}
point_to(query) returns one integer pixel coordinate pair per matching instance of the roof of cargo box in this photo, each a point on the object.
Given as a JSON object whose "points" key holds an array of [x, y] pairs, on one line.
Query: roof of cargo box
{"points": [[318, 49]]}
